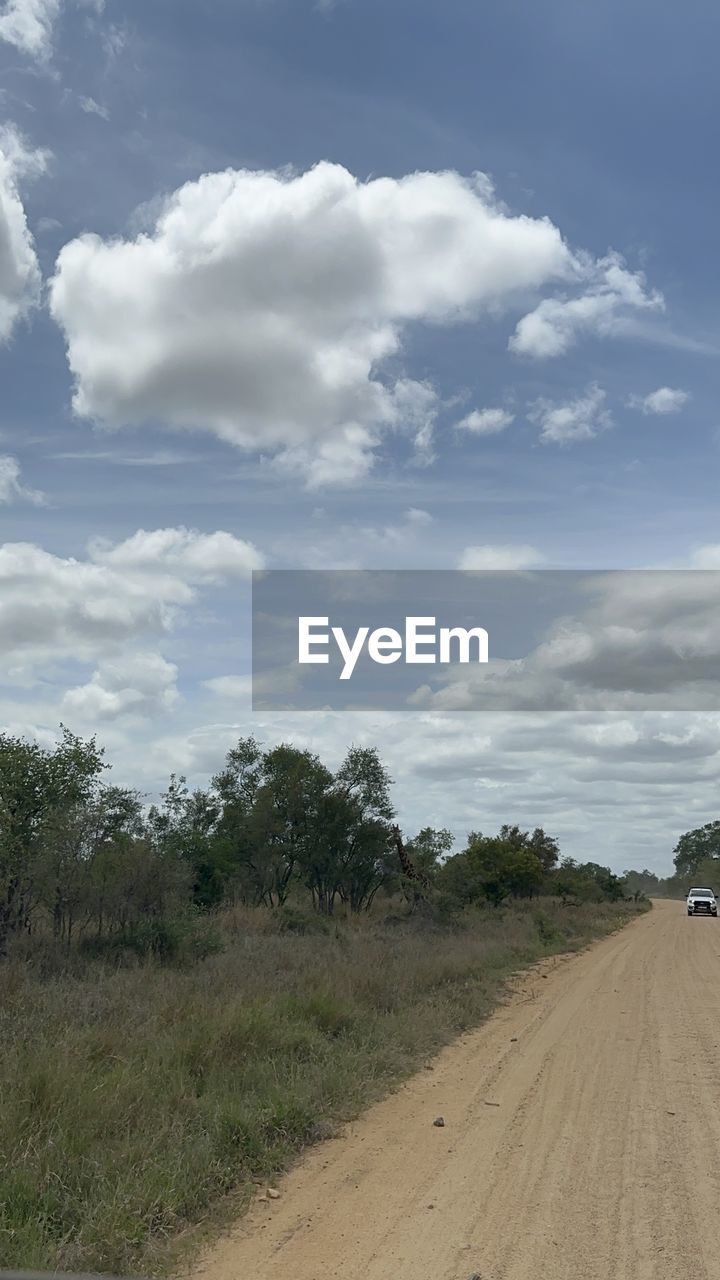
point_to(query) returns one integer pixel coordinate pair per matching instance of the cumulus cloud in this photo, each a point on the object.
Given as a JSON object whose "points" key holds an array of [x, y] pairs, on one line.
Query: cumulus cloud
{"points": [[579, 419], [195, 557], [486, 422], [28, 25], [664, 400], [138, 684], [265, 307], [520, 556], [605, 308], [11, 487], [54, 608], [19, 270]]}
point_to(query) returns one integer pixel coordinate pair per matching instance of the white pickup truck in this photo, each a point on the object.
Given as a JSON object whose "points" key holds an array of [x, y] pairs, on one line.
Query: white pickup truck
{"points": [[702, 902]]}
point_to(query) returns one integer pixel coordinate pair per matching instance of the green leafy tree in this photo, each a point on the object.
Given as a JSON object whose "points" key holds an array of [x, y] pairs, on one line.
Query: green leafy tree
{"points": [[697, 846], [184, 826], [503, 867], [37, 785]]}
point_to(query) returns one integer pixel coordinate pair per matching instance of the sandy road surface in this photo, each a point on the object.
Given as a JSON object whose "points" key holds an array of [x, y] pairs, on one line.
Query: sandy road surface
{"points": [[601, 1159]]}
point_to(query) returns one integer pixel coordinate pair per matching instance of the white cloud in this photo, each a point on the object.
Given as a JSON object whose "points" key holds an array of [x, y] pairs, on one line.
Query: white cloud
{"points": [[137, 684], [54, 608], [579, 419], [235, 687], [19, 270], [664, 400], [28, 25], [605, 308], [11, 486], [195, 557], [264, 307], [520, 556], [486, 422], [707, 557], [93, 108]]}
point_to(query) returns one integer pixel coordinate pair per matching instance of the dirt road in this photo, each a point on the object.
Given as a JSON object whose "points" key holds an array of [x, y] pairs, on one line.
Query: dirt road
{"points": [[581, 1138]]}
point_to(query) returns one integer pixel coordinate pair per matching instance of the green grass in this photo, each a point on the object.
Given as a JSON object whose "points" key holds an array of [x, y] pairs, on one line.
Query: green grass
{"points": [[133, 1100]]}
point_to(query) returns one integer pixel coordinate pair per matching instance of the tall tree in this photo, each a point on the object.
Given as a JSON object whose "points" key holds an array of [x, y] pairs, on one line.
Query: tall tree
{"points": [[697, 846], [36, 785]]}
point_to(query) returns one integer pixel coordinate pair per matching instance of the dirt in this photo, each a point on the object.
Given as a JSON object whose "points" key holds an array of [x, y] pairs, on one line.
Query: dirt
{"points": [[599, 1158]]}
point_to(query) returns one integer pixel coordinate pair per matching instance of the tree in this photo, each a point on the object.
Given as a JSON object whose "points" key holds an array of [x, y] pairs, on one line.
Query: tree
{"points": [[642, 883], [74, 840], [184, 826], [503, 866], [429, 849], [364, 813], [459, 881], [695, 847], [587, 881], [237, 842], [36, 786]]}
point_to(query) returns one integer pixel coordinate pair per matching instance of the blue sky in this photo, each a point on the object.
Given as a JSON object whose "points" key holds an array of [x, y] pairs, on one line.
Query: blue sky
{"points": [[290, 445]]}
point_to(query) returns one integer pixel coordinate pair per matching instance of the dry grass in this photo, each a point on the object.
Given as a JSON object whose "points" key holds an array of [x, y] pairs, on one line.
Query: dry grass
{"points": [[133, 1100]]}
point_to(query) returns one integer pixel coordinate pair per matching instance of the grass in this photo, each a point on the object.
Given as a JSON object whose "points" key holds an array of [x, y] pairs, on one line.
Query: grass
{"points": [[134, 1099]]}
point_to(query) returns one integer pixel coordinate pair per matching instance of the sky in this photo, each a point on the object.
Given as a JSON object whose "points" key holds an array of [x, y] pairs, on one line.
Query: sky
{"points": [[396, 285]]}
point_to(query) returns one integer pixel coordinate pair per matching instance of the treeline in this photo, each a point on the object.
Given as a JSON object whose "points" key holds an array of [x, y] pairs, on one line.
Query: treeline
{"points": [[90, 861], [697, 863]]}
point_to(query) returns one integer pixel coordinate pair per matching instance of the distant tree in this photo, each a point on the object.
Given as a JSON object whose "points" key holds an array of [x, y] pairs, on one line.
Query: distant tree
{"points": [[587, 881], [643, 883]]}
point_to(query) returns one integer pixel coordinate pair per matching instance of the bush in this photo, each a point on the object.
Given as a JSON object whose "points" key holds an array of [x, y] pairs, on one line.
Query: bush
{"points": [[182, 939], [291, 919]]}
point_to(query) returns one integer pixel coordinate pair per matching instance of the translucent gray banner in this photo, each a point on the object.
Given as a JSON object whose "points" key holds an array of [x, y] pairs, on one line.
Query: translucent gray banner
{"points": [[540, 640]]}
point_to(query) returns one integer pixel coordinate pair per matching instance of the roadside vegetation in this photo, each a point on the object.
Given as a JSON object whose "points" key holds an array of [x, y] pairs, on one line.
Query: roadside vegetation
{"points": [[191, 993]]}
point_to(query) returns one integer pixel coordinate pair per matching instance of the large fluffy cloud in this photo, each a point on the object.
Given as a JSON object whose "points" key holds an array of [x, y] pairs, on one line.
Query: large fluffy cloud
{"points": [[265, 307], [54, 608], [137, 684], [19, 270]]}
